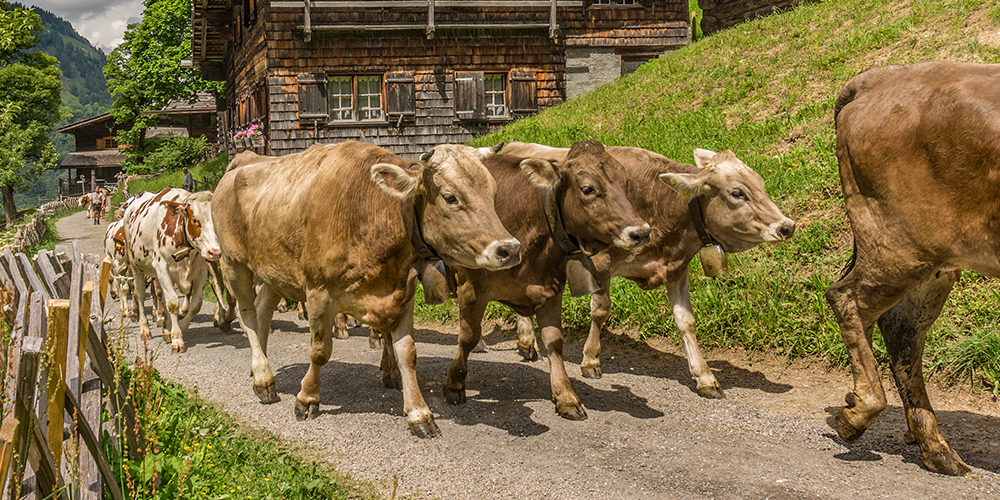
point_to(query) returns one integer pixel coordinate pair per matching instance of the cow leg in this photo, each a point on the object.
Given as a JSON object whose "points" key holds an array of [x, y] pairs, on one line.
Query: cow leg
{"points": [[391, 377], [266, 303], [526, 343], [194, 307], [320, 348], [157, 292], [340, 326], [679, 295], [600, 309], [568, 404], [140, 297], [418, 414], [173, 305], [225, 313], [904, 328], [241, 282], [470, 330], [857, 300]]}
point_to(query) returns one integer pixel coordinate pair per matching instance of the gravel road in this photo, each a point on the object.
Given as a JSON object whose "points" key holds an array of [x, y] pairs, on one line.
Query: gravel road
{"points": [[648, 434]]}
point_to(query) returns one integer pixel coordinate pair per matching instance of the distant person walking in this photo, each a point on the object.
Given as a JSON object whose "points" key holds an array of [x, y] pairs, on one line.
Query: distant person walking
{"points": [[98, 201], [188, 180]]}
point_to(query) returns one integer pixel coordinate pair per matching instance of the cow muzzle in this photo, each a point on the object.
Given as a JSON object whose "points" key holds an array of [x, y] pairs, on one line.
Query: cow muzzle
{"points": [[780, 231], [213, 254], [633, 236], [500, 254]]}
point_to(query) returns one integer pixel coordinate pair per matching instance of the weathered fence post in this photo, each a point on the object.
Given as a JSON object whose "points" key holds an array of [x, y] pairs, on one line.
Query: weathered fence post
{"points": [[58, 322]]}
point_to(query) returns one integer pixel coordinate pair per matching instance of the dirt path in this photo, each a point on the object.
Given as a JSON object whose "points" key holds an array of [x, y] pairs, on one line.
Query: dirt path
{"points": [[648, 435]]}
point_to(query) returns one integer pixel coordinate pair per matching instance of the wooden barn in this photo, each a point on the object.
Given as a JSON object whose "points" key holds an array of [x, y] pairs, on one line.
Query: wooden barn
{"points": [[409, 74]]}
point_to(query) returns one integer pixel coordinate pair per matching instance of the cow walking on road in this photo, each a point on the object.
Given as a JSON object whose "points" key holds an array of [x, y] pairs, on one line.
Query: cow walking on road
{"points": [[343, 228], [732, 209], [919, 154], [170, 236]]}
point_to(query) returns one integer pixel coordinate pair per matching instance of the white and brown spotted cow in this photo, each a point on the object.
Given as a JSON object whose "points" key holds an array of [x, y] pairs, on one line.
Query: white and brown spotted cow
{"points": [[328, 227], [170, 236], [122, 285], [733, 208], [919, 154]]}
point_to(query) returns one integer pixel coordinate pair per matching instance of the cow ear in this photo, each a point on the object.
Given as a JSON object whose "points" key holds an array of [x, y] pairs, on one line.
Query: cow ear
{"points": [[687, 185], [703, 157], [540, 172], [489, 151], [175, 207], [396, 180]]}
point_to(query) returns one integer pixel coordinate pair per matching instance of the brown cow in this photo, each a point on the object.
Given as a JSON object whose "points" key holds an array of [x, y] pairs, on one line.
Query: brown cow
{"points": [[735, 212], [919, 154], [328, 227], [587, 191]]}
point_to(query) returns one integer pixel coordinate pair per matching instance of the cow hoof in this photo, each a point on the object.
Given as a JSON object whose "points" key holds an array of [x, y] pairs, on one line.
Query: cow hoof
{"points": [[529, 353], [145, 336], [909, 438], [166, 335], [575, 412], [845, 430], [424, 430], [591, 371], [267, 395], [481, 346], [946, 463], [711, 392], [341, 334], [306, 413], [374, 343], [454, 396], [391, 382], [175, 349]]}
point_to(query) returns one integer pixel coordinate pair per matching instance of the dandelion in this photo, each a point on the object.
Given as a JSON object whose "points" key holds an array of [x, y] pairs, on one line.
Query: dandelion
{"points": [[209, 447], [186, 448], [267, 479], [232, 491]]}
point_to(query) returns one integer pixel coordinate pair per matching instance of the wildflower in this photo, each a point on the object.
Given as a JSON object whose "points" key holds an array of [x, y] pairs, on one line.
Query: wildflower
{"points": [[267, 479], [186, 448], [232, 491], [209, 447]]}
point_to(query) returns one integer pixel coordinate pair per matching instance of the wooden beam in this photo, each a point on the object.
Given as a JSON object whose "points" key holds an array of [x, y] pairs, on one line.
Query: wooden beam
{"points": [[403, 27], [57, 311], [308, 21], [7, 432], [421, 4], [50, 482], [29, 273], [24, 407], [103, 281], [94, 446]]}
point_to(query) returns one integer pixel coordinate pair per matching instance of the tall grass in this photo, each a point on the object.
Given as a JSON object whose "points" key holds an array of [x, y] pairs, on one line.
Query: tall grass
{"points": [[765, 89], [208, 168]]}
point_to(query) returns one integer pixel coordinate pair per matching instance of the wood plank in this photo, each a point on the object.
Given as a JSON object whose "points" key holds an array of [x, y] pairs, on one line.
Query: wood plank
{"points": [[118, 398], [29, 273], [44, 265], [7, 432], [24, 407], [103, 281], [422, 4], [90, 438], [57, 311], [44, 463]]}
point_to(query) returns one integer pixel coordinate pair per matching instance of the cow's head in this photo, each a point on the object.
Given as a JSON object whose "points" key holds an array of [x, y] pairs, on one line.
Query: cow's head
{"points": [[737, 210], [194, 224], [590, 190], [454, 195]]}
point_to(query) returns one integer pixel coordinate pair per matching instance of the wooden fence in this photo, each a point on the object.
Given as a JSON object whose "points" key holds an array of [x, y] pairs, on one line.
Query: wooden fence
{"points": [[57, 377]]}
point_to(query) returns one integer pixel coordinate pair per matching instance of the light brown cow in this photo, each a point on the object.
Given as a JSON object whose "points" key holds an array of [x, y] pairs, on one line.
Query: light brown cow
{"points": [[588, 193], [328, 227], [735, 211], [919, 154]]}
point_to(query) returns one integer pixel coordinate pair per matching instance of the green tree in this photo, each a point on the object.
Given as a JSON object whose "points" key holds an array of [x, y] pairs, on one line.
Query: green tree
{"points": [[145, 72], [29, 104]]}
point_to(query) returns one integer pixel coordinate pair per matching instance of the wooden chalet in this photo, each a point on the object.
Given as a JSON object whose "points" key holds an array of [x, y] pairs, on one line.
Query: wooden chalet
{"points": [[97, 158], [410, 74]]}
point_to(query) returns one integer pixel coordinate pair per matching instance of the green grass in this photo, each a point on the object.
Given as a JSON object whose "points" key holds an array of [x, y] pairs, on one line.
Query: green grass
{"points": [[197, 451], [765, 89], [156, 184]]}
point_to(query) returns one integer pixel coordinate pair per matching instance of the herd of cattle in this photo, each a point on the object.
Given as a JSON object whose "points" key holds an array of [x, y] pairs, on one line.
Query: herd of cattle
{"points": [[350, 228]]}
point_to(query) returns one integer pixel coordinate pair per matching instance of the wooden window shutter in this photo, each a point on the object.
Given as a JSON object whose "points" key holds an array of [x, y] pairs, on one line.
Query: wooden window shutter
{"points": [[523, 91], [400, 99], [312, 97], [469, 95]]}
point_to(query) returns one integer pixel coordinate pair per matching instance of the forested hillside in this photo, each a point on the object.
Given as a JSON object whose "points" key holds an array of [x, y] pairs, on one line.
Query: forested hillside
{"points": [[85, 92]]}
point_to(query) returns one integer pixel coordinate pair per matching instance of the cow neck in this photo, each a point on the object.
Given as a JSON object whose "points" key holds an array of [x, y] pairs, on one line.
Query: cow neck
{"points": [[553, 215], [411, 221], [698, 219], [183, 252], [581, 274]]}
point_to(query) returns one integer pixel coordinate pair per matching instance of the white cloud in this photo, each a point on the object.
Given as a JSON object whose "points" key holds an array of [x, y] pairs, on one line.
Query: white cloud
{"points": [[103, 22]]}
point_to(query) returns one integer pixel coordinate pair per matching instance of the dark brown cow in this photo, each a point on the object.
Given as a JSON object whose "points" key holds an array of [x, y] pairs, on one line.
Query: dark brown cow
{"points": [[328, 227], [588, 189], [736, 213], [919, 154]]}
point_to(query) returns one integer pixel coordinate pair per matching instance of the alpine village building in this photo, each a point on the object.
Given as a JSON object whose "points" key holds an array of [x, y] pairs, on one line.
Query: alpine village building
{"points": [[407, 75]]}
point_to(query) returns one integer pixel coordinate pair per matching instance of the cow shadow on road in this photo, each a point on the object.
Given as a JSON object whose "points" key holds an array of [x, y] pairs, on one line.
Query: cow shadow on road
{"points": [[975, 437], [500, 395]]}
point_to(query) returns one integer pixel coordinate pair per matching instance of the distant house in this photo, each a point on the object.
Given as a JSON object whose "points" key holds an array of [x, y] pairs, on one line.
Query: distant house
{"points": [[410, 74], [97, 158]]}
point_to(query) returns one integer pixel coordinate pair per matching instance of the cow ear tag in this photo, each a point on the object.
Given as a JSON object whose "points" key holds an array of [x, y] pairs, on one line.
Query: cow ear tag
{"points": [[581, 276], [713, 260], [435, 283]]}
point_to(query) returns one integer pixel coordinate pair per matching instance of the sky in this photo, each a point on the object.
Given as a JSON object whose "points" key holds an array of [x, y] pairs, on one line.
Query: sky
{"points": [[103, 22]]}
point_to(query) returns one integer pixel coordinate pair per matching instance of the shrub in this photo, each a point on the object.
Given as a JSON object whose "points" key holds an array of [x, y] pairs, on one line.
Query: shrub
{"points": [[169, 154]]}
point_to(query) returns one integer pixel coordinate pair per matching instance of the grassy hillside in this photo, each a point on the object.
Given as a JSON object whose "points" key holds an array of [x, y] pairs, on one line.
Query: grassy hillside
{"points": [[765, 90]]}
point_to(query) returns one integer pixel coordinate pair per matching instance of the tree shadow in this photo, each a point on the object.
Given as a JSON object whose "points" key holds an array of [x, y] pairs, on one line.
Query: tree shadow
{"points": [[975, 437]]}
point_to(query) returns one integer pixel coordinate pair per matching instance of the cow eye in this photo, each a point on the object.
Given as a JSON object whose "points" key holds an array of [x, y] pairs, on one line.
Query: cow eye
{"points": [[450, 199], [588, 190], [738, 194]]}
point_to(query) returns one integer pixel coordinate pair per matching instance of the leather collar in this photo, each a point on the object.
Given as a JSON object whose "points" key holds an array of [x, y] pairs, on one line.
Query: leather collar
{"points": [[698, 219], [411, 221], [566, 241]]}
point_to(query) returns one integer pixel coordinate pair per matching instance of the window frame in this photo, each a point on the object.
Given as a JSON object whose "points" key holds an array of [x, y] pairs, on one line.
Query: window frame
{"points": [[470, 101], [355, 109]]}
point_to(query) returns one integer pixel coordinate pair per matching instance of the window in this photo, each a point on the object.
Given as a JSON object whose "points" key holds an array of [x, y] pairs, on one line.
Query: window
{"points": [[341, 91], [355, 98], [481, 96], [370, 98], [110, 144], [617, 3]]}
